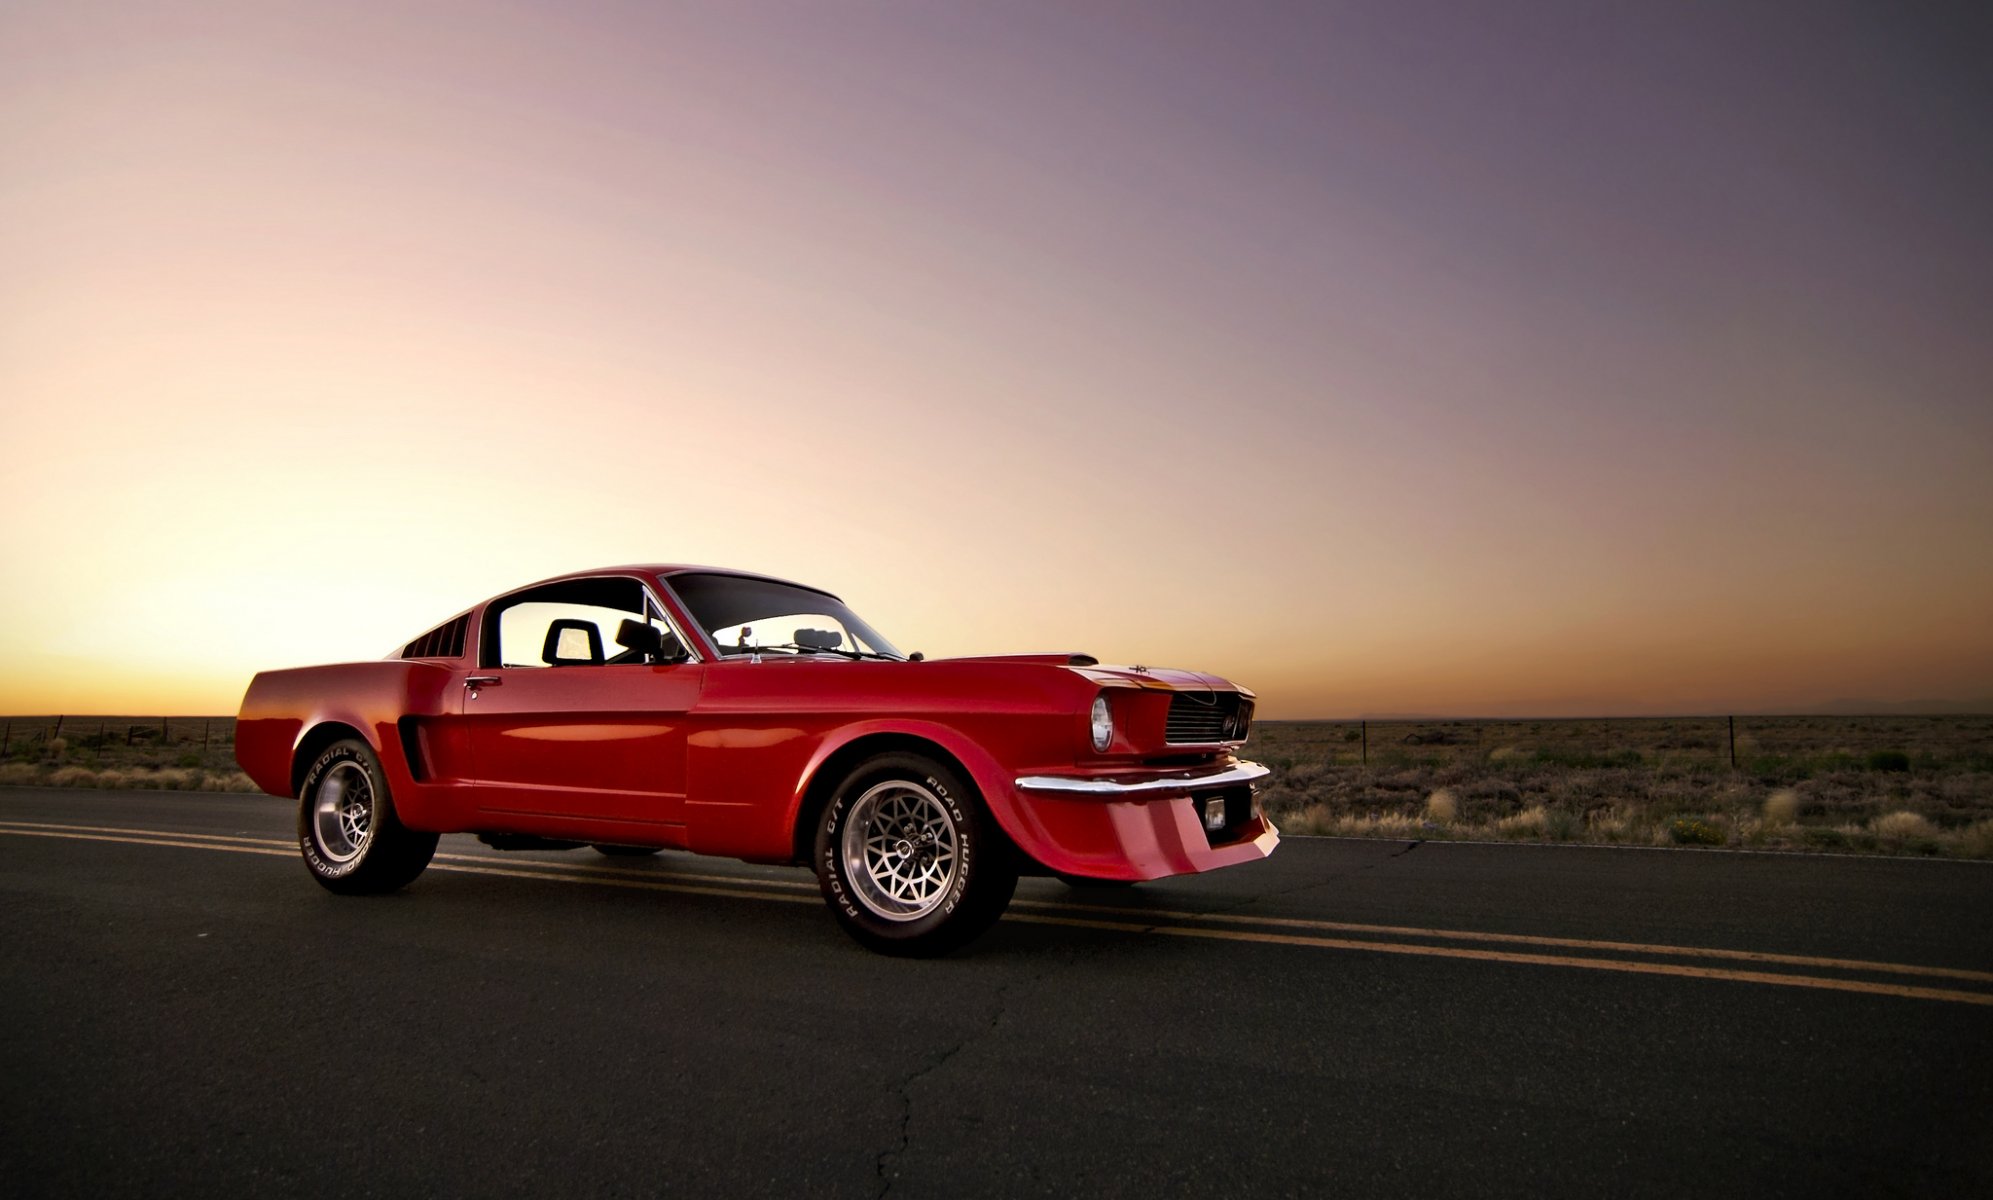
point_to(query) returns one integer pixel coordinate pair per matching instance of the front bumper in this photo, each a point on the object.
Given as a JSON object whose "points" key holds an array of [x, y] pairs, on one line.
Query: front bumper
{"points": [[1145, 824], [1144, 787]]}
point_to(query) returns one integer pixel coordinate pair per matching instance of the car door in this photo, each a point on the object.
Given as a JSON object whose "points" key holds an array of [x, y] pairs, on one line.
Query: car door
{"points": [[582, 738]]}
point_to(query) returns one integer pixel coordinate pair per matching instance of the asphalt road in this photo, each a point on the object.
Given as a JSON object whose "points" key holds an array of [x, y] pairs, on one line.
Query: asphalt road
{"points": [[182, 1011]]}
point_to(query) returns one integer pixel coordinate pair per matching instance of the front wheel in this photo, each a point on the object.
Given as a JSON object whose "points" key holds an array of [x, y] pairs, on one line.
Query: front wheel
{"points": [[353, 842], [909, 859]]}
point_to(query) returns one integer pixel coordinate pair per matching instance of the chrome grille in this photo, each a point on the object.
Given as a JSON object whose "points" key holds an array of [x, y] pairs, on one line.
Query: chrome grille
{"points": [[1201, 717]]}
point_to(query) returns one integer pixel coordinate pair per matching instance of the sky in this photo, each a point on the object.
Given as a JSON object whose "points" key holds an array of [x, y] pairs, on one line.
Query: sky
{"points": [[1518, 359]]}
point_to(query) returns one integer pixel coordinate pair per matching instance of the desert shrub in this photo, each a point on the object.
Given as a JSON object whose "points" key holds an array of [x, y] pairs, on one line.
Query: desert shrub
{"points": [[1352, 735], [1442, 807], [226, 781], [1376, 824], [19, 772], [1694, 831], [1889, 760], [1976, 841], [1781, 807], [1313, 819], [1608, 822], [73, 777], [1562, 825], [114, 779], [1902, 826], [1589, 759], [57, 747], [1527, 823], [190, 759]]}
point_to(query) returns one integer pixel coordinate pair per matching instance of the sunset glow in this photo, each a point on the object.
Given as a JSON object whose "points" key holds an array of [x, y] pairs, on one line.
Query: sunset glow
{"points": [[1381, 359]]}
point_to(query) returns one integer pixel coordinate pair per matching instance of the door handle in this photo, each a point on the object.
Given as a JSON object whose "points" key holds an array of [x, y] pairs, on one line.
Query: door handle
{"points": [[474, 682]]}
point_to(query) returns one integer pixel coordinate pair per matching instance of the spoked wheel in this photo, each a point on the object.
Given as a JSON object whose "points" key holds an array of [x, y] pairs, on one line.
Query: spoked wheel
{"points": [[909, 859], [900, 849], [343, 812], [347, 829]]}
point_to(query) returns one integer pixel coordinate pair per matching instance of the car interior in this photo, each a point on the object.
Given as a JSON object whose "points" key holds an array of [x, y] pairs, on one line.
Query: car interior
{"points": [[579, 623]]}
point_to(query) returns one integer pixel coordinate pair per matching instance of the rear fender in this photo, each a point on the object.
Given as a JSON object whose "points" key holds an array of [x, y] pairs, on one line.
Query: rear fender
{"points": [[286, 714]]}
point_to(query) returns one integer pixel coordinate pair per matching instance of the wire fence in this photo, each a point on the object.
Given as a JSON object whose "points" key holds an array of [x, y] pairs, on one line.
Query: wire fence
{"points": [[1740, 742], [33, 734]]}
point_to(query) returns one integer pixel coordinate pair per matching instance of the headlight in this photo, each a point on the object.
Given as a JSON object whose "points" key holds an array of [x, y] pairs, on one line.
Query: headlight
{"points": [[1103, 724]]}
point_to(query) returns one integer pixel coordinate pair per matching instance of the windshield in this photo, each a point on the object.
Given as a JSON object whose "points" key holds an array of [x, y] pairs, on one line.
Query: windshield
{"points": [[748, 616]]}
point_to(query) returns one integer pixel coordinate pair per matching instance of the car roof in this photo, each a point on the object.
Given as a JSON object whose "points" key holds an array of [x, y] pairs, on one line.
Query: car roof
{"points": [[665, 569]]}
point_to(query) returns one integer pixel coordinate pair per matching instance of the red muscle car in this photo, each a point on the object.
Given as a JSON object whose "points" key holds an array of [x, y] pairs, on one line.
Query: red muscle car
{"points": [[650, 707]]}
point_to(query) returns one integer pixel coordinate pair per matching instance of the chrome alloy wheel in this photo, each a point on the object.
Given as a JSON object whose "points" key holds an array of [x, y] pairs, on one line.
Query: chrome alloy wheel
{"points": [[343, 814], [900, 850]]}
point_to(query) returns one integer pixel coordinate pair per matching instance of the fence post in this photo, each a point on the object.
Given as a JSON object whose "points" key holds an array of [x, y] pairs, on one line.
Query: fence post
{"points": [[165, 735], [204, 735], [129, 730], [58, 728], [7, 737], [1363, 728], [1733, 743]]}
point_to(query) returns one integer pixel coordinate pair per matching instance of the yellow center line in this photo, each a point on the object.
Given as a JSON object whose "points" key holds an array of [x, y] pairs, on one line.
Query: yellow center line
{"points": [[285, 851], [508, 863], [152, 833], [1524, 939], [1544, 960], [742, 889]]}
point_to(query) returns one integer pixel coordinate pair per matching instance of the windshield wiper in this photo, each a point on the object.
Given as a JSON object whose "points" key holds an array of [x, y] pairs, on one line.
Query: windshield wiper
{"points": [[838, 650]]}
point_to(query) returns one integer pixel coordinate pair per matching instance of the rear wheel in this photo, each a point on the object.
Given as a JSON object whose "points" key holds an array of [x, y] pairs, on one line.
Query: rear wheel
{"points": [[353, 843], [909, 859]]}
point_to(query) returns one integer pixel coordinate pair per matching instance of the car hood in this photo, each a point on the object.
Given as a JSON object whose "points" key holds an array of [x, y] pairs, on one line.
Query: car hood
{"points": [[1159, 678]]}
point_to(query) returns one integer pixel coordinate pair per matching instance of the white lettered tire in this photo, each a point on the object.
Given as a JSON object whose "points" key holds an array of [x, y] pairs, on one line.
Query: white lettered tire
{"points": [[909, 859], [351, 839]]}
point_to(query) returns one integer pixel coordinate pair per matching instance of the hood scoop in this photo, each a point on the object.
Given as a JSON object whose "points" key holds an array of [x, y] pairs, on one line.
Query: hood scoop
{"points": [[1069, 659]]}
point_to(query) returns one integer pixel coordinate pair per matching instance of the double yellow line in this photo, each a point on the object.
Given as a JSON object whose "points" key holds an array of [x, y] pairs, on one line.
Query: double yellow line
{"points": [[1638, 958]]}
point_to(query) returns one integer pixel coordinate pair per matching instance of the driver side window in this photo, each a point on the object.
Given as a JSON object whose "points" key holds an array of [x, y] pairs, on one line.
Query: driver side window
{"points": [[579, 623]]}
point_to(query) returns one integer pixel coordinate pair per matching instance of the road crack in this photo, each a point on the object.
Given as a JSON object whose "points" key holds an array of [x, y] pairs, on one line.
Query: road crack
{"points": [[999, 1007]]}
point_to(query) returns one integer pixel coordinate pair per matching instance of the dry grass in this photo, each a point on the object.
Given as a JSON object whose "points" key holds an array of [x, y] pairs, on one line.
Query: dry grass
{"points": [[1902, 826], [167, 754], [1803, 783]]}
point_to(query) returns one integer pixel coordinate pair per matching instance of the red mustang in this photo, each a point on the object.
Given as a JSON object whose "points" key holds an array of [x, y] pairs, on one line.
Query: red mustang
{"points": [[639, 708]]}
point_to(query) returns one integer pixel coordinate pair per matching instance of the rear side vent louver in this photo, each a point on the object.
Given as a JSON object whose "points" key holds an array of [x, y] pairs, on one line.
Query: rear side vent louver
{"points": [[444, 641]]}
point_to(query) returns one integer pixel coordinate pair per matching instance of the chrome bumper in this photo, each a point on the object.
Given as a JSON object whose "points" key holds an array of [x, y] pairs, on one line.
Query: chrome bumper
{"points": [[1111, 788]]}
